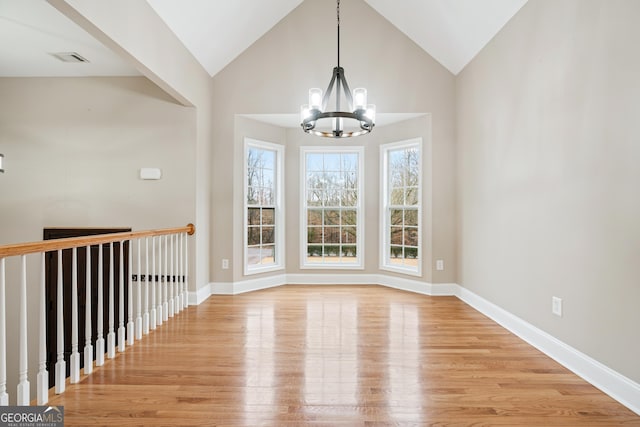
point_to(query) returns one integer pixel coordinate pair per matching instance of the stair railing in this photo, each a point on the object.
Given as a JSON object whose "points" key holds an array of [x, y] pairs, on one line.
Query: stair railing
{"points": [[161, 289]]}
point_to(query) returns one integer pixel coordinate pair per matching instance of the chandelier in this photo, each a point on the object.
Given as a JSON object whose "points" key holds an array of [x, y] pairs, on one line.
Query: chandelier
{"points": [[360, 115]]}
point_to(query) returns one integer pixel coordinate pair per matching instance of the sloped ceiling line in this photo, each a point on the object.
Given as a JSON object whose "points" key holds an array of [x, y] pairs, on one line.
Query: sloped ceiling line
{"points": [[216, 32]]}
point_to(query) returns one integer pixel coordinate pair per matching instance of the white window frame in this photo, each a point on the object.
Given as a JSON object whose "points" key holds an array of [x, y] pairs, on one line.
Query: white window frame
{"points": [[359, 264], [385, 226], [279, 241]]}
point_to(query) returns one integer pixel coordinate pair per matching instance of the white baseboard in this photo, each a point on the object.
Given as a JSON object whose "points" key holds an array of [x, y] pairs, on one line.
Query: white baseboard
{"points": [[332, 279], [199, 296], [619, 387], [404, 284]]}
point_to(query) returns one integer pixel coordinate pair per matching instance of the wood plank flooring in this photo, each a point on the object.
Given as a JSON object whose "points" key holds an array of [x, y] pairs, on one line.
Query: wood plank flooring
{"points": [[335, 356]]}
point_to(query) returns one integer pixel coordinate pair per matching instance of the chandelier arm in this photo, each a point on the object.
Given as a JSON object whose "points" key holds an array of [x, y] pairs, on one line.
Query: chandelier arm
{"points": [[347, 91], [327, 93]]}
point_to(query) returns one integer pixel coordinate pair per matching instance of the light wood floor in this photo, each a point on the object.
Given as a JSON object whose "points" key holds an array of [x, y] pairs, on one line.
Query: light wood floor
{"points": [[335, 356]]}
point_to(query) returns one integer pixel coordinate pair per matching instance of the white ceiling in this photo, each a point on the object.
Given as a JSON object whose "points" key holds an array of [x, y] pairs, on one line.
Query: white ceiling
{"points": [[451, 31], [30, 30], [216, 31]]}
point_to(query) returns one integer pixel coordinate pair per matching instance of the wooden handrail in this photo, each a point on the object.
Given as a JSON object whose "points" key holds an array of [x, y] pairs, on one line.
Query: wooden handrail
{"points": [[75, 242]]}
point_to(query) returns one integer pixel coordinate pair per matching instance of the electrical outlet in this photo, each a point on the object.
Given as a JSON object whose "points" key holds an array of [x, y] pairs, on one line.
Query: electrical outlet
{"points": [[225, 264], [440, 265], [556, 306]]}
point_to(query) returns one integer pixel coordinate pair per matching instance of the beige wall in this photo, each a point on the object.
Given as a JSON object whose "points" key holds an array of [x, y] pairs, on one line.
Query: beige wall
{"points": [[134, 30], [274, 76], [73, 149], [547, 122]]}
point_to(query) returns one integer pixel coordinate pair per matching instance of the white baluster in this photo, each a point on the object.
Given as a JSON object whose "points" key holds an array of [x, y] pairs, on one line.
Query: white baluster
{"points": [[74, 360], [130, 325], [100, 324], [111, 335], [180, 267], [172, 305], [121, 330], [42, 381], [159, 309], [175, 278], [186, 269], [145, 318], [23, 384], [4, 396], [165, 304], [61, 366], [139, 299], [88, 348], [152, 313]]}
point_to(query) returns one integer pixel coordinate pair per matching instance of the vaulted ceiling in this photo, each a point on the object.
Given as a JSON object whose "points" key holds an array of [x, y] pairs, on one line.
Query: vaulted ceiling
{"points": [[216, 31]]}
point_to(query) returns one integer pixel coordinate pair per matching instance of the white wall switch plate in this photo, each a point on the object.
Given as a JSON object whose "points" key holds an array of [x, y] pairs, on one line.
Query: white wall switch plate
{"points": [[150, 173], [440, 264], [556, 306], [225, 264]]}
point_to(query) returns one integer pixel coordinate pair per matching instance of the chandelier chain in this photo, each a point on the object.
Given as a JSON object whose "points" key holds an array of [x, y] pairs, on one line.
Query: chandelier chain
{"points": [[338, 19]]}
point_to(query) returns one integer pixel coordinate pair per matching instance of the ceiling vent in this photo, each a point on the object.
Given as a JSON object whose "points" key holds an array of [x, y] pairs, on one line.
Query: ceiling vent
{"points": [[70, 57]]}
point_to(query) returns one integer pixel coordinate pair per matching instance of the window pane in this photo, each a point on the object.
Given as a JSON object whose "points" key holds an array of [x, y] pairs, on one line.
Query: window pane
{"points": [[395, 252], [332, 197], [253, 256], [314, 197], [331, 162], [411, 217], [267, 235], [252, 196], [349, 252], [350, 180], [349, 162], [314, 251], [314, 217], [396, 235], [268, 216], [349, 198], [349, 217], [411, 196], [253, 216], [267, 254], [332, 235], [411, 253], [267, 197], [348, 235], [314, 235], [314, 162], [396, 217], [411, 236], [331, 252], [331, 217], [315, 180], [267, 179], [397, 197], [253, 236]]}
